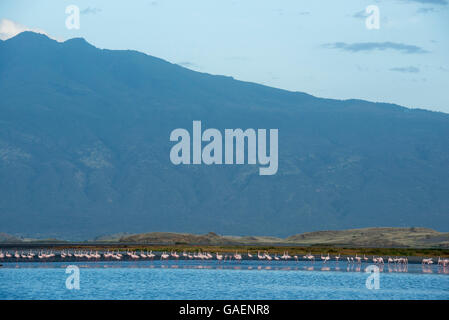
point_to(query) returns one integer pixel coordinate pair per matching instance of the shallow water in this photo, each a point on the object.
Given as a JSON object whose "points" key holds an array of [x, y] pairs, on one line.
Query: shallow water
{"points": [[213, 280]]}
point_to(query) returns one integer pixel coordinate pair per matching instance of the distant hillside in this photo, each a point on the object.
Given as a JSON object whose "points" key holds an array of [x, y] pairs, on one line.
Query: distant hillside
{"points": [[375, 237], [179, 238], [84, 150], [367, 237], [4, 237]]}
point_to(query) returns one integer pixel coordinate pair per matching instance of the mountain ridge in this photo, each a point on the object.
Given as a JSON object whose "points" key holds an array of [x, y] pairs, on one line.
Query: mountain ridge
{"points": [[84, 145]]}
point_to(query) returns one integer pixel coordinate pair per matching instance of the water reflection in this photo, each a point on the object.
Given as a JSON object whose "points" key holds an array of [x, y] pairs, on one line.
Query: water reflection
{"points": [[253, 265]]}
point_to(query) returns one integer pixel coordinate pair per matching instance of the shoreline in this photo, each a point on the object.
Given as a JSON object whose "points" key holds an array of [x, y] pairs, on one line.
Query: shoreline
{"points": [[271, 249]]}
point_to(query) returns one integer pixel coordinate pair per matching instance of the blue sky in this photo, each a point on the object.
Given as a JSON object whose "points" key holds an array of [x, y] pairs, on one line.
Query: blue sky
{"points": [[319, 47]]}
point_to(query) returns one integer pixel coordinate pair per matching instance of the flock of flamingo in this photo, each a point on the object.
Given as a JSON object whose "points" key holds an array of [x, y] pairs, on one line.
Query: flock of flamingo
{"points": [[134, 255]]}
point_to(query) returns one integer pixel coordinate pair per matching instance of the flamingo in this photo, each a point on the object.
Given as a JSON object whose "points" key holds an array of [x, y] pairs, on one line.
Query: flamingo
{"points": [[219, 256], [445, 261], [337, 257], [117, 256], [237, 257], [30, 255], [309, 256], [164, 256], [259, 256], [268, 257], [250, 256]]}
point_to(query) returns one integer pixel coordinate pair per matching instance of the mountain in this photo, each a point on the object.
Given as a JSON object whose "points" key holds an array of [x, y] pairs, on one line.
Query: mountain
{"points": [[375, 237], [366, 237], [84, 150], [4, 237]]}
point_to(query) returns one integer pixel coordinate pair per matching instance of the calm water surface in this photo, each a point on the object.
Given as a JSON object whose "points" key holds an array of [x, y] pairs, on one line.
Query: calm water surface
{"points": [[212, 280]]}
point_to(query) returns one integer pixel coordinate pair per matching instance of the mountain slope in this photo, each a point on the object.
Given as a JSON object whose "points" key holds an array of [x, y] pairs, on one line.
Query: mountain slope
{"points": [[84, 150], [367, 237]]}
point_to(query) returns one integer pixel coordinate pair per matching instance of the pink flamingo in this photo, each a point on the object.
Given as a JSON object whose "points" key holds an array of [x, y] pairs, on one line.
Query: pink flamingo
{"points": [[268, 257], [237, 257], [164, 256]]}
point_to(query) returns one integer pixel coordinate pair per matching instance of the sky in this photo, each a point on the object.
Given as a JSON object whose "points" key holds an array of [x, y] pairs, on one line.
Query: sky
{"points": [[321, 47]]}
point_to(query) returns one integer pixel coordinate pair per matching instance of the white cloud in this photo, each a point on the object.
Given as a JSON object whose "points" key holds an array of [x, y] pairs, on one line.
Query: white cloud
{"points": [[9, 29]]}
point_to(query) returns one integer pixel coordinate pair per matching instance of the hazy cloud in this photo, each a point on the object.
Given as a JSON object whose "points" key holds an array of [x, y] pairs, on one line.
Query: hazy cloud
{"points": [[410, 69], [425, 10], [439, 2], [360, 14], [90, 10], [9, 29], [376, 46], [187, 64]]}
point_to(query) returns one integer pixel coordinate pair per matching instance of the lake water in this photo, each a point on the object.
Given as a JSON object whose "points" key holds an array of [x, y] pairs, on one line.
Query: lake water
{"points": [[213, 280]]}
